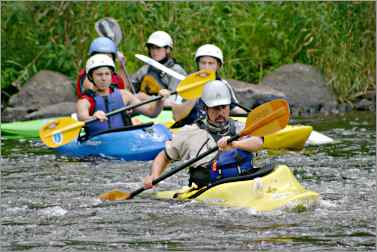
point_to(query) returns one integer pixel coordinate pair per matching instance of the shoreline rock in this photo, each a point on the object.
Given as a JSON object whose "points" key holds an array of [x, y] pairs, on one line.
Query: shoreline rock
{"points": [[51, 94]]}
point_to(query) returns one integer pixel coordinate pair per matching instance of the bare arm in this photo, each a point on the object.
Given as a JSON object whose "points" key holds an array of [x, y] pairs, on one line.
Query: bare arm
{"points": [[82, 107], [158, 166], [249, 144], [180, 111], [150, 109]]}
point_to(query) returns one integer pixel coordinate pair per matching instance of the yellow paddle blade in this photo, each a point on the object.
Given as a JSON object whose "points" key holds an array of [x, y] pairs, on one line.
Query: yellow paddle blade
{"points": [[149, 85], [60, 131], [192, 86], [267, 118], [114, 195]]}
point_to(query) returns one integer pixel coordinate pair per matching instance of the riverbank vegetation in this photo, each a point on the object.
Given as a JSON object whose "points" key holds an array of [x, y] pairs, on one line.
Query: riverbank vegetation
{"points": [[336, 37]]}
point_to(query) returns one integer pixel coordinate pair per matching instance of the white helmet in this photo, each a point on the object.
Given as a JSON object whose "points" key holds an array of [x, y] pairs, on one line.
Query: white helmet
{"points": [[99, 60], [216, 93], [160, 39], [209, 50]]}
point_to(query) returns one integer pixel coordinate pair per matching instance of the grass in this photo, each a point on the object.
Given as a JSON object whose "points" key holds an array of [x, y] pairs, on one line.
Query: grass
{"points": [[256, 37]]}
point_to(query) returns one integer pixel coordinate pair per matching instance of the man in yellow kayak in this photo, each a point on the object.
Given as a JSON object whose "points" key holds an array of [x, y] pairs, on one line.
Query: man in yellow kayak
{"points": [[217, 127], [105, 98], [210, 57]]}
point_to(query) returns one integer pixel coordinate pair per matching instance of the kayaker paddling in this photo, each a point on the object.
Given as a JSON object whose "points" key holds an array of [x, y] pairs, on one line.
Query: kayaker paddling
{"points": [[150, 80], [216, 128], [102, 45], [105, 98], [207, 56]]}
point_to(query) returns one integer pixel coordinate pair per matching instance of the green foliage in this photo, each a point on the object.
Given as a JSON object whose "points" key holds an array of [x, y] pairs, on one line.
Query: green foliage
{"points": [[336, 37]]}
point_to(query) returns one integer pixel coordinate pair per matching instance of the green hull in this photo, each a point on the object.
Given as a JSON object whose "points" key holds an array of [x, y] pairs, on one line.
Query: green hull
{"points": [[23, 129], [30, 129]]}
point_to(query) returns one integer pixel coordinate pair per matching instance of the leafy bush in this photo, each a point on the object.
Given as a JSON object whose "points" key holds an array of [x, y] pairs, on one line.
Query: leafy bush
{"points": [[256, 38]]}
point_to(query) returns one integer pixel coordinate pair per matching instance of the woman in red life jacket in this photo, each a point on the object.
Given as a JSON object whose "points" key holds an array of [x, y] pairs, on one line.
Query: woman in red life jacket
{"points": [[102, 45]]}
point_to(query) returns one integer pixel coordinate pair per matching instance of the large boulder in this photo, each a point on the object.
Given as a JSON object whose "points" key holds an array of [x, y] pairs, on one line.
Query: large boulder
{"points": [[44, 89], [56, 110], [251, 95], [304, 86]]}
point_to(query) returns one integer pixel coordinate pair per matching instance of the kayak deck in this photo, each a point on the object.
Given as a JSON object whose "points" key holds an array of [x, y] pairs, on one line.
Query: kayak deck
{"points": [[278, 189], [291, 138], [141, 144]]}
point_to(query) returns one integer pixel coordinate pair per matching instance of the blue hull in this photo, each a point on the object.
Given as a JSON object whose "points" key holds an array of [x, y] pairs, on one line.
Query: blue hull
{"points": [[138, 144]]}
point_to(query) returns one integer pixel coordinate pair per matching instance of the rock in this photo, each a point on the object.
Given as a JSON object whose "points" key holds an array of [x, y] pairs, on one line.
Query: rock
{"points": [[14, 114], [364, 104], [251, 95], [60, 109], [304, 86], [44, 89]]}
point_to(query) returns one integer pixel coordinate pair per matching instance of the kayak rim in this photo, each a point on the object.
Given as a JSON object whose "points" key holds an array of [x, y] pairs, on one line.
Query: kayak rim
{"points": [[256, 173]]}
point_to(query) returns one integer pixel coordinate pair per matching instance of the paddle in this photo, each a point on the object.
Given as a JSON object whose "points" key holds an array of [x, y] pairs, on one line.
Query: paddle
{"points": [[159, 66], [64, 130], [263, 120], [171, 72], [109, 27]]}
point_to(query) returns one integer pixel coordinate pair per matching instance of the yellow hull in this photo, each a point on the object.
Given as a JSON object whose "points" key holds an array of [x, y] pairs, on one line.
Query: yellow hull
{"points": [[291, 138], [276, 190]]}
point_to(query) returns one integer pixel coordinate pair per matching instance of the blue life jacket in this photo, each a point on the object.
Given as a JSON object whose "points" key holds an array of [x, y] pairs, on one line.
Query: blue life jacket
{"points": [[107, 104], [235, 162], [232, 163]]}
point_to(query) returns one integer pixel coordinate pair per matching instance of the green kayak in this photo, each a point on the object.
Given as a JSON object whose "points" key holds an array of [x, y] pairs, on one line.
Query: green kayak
{"points": [[30, 129], [23, 129]]}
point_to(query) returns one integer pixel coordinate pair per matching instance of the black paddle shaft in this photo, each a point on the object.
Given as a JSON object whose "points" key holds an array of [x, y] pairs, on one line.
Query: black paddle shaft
{"points": [[130, 107], [183, 166]]}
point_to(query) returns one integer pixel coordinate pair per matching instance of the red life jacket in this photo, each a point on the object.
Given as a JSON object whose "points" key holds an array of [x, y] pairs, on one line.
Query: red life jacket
{"points": [[89, 96], [116, 79]]}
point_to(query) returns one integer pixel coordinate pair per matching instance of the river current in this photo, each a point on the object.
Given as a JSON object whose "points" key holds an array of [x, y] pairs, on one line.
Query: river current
{"points": [[48, 202]]}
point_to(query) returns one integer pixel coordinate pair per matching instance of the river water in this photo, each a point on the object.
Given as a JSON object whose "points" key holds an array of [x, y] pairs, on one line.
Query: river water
{"points": [[48, 202]]}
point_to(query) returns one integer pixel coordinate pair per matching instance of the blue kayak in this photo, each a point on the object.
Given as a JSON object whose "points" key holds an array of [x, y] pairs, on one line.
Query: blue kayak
{"points": [[140, 142]]}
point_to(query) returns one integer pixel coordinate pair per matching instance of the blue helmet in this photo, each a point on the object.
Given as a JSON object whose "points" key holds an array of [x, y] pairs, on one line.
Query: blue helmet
{"points": [[102, 45]]}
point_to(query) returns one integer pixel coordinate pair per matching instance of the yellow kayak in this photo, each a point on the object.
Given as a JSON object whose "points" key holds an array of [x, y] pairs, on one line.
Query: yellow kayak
{"points": [[276, 190], [291, 138]]}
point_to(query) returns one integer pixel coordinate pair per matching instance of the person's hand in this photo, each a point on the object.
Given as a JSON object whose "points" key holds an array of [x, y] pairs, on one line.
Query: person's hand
{"points": [[121, 58], [169, 103], [100, 115], [223, 144], [148, 182], [165, 93]]}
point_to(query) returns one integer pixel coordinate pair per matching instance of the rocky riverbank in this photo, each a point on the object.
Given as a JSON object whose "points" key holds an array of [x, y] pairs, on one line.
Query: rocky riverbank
{"points": [[49, 94]]}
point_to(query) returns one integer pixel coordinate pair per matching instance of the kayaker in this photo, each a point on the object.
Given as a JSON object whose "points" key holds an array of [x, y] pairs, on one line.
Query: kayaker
{"points": [[216, 128], [102, 45], [150, 80], [207, 56], [105, 97]]}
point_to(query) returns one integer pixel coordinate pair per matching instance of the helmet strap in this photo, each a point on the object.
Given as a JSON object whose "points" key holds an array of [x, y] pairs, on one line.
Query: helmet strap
{"points": [[220, 129], [164, 60]]}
